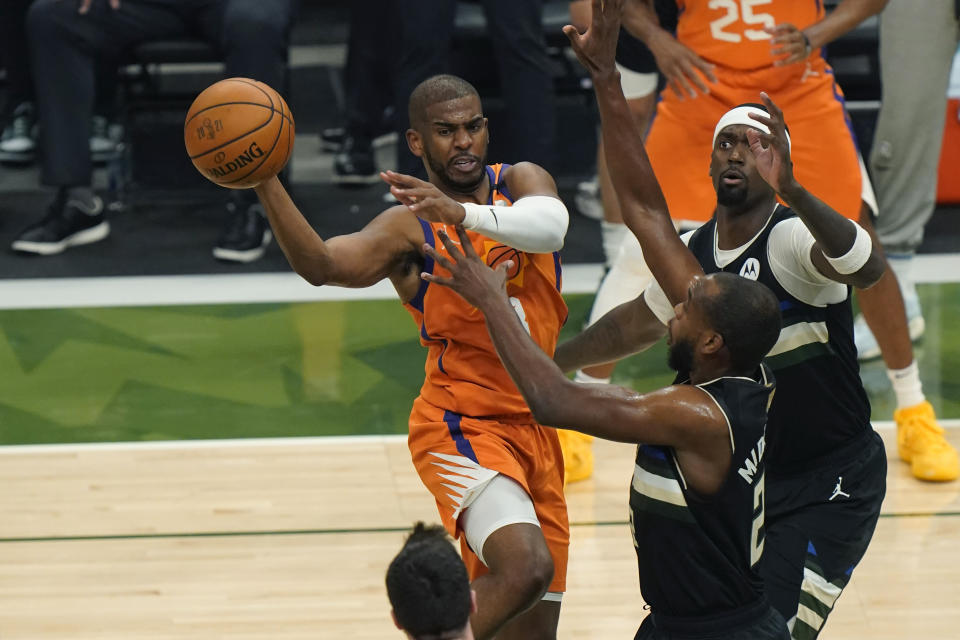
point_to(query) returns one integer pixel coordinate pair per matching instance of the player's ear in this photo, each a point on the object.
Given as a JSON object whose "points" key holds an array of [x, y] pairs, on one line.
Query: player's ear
{"points": [[415, 142], [711, 342]]}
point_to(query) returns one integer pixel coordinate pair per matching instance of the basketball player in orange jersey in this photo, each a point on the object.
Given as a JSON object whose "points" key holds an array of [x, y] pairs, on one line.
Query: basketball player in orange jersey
{"points": [[498, 487], [774, 46]]}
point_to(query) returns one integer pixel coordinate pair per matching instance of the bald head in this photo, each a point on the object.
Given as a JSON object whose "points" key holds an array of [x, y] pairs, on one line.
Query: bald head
{"points": [[434, 90]]}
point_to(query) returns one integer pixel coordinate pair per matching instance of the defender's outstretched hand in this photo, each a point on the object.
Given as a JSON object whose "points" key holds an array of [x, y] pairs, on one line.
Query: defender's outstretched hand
{"points": [[772, 150], [424, 198], [476, 283], [596, 48]]}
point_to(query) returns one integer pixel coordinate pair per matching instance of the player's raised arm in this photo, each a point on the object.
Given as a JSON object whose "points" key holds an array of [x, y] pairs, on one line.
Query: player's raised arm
{"points": [[358, 259], [844, 251], [641, 200]]}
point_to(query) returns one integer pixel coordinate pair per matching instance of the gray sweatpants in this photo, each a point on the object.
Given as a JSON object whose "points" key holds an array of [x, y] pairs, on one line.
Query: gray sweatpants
{"points": [[917, 44]]}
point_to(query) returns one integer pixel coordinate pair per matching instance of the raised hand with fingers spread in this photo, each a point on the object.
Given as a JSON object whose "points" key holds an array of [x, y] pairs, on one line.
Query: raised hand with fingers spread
{"points": [[772, 150], [469, 275]]}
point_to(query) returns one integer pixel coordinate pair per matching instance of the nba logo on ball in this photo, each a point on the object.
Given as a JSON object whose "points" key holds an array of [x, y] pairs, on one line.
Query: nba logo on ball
{"points": [[238, 133], [750, 269]]}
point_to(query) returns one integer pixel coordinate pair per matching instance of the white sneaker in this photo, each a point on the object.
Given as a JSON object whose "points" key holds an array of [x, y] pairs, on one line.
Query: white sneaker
{"points": [[587, 199], [867, 347], [104, 139]]}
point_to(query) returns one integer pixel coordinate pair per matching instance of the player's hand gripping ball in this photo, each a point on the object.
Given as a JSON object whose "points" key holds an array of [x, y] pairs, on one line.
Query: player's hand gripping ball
{"points": [[238, 133]]}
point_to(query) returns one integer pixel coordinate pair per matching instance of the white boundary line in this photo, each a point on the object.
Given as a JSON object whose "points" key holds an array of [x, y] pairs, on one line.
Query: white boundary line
{"points": [[136, 291], [161, 445]]}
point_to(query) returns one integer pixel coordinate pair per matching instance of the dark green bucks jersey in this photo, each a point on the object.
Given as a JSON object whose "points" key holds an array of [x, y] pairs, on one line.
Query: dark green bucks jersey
{"points": [[820, 403], [697, 554]]}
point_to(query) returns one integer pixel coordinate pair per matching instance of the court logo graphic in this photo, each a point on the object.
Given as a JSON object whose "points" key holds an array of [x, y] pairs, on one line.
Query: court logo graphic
{"points": [[750, 269]]}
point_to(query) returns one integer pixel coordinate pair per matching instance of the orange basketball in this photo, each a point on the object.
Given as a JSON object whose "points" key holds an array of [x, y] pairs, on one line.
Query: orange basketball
{"points": [[238, 133]]}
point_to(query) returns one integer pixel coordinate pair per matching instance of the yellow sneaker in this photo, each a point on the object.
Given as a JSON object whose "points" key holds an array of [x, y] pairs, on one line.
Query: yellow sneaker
{"points": [[577, 455], [920, 442]]}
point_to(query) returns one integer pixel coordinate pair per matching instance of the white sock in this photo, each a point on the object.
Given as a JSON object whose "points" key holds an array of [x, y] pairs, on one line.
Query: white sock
{"points": [[902, 266], [584, 378], [611, 236], [906, 385]]}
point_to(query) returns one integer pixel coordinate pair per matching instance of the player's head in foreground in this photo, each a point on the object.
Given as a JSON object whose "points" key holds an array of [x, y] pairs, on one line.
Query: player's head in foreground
{"points": [[429, 589]]}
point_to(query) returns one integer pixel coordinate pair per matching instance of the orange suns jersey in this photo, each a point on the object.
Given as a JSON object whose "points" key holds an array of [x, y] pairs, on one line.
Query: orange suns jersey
{"points": [[463, 372], [712, 27]]}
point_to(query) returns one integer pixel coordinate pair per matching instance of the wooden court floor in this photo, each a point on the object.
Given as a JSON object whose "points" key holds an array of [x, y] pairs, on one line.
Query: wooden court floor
{"points": [[289, 539]]}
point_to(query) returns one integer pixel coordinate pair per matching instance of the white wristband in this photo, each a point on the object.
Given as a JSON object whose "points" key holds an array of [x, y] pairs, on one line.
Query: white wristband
{"points": [[536, 224], [854, 259]]}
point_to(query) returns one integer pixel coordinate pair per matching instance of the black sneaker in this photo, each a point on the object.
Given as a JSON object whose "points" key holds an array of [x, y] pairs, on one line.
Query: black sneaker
{"points": [[69, 222], [331, 139], [354, 164], [245, 236], [18, 143], [104, 139]]}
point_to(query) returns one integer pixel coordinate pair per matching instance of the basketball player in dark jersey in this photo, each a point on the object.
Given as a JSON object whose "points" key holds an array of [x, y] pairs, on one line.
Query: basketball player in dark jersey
{"points": [[827, 467], [696, 499]]}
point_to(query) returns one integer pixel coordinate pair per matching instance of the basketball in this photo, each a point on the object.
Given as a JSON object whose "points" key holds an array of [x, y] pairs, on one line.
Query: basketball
{"points": [[501, 253], [238, 132]]}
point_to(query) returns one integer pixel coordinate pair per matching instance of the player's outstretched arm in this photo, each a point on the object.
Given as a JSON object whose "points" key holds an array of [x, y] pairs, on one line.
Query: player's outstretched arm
{"points": [[844, 251], [642, 202], [536, 222], [607, 411], [624, 330], [358, 259]]}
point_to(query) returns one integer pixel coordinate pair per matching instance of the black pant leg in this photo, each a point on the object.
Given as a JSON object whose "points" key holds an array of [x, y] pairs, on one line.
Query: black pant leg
{"points": [[254, 36], [369, 73], [13, 53], [64, 48], [518, 43], [426, 29]]}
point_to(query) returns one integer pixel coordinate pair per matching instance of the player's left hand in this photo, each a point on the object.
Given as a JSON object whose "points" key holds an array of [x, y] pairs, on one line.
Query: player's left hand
{"points": [[789, 42], [596, 48], [771, 150], [424, 198], [469, 275]]}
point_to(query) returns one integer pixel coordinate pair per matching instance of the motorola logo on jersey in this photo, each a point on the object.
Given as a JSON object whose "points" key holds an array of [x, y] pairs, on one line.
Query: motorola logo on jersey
{"points": [[750, 269]]}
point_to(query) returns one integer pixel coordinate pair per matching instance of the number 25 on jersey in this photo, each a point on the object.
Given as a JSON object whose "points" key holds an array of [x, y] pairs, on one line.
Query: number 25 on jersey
{"points": [[740, 13]]}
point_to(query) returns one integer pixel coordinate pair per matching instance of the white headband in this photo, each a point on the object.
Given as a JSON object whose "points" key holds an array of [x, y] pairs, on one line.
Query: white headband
{"points": [[740, 115]]}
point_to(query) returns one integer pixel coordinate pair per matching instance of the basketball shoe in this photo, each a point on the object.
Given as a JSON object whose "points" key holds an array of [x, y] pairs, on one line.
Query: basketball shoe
{"points": [[577, 451], [920, 442], [18, 143], [245, 235], [71, 220], [354, 164]]}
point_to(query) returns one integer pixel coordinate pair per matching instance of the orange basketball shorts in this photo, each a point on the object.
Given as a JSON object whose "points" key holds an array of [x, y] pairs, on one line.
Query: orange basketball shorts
{"points": [[456, 455]]}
